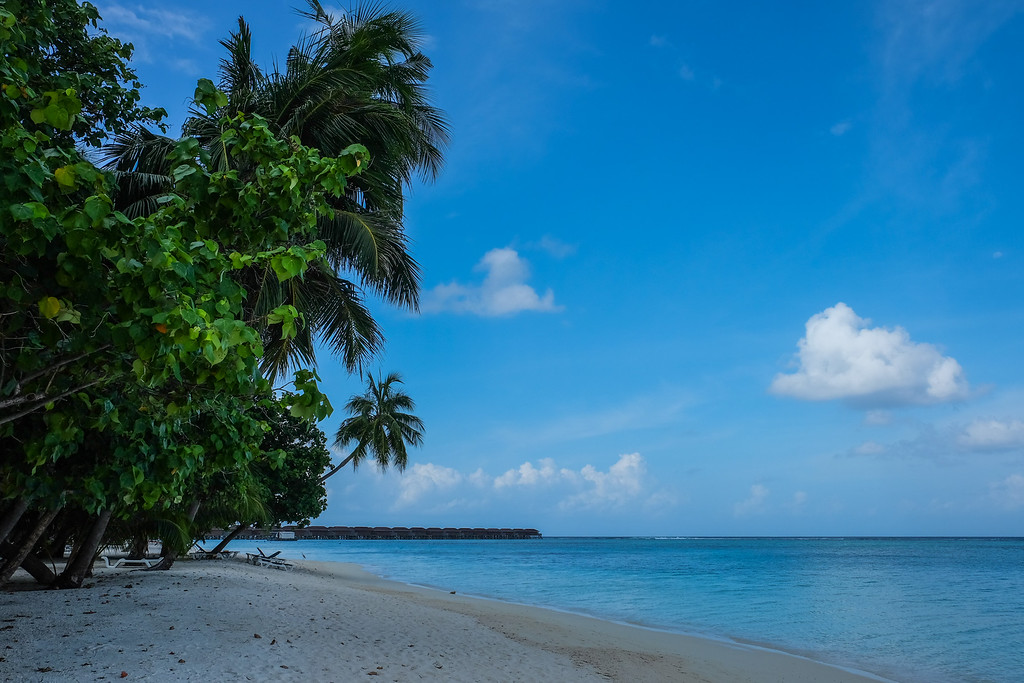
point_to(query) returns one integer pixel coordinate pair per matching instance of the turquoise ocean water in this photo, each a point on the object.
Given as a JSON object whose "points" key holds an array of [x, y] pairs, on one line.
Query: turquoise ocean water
{"points": [[916, 610]]}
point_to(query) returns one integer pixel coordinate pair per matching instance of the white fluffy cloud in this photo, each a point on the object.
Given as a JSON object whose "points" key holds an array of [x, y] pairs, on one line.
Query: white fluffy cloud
{"points": [[528, 475], [421, 480], [992, 435], [625, 482], [754, 503], [503, 290], [840, 357]]}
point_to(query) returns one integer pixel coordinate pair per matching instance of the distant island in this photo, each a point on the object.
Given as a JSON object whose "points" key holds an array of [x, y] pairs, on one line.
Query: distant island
{"points": [[379, 533]]}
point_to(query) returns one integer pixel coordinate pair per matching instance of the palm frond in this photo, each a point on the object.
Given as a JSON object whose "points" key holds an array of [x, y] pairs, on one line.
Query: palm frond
{"points": [[377, 428]]}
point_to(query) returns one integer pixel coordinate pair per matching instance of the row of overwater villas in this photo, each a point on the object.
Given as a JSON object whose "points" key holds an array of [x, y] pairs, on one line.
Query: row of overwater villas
{"points": [[373, 533]]}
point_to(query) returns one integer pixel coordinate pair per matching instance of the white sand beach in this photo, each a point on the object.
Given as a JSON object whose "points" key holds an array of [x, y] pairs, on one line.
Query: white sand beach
{"points": [[227, 620]]}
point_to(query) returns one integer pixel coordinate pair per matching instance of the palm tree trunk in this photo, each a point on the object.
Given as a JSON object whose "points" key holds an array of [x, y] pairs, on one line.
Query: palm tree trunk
{"points": [[139, 546], [27, 544], [335, 469], [77, 567], [61, 530], [11, 516], [230, 537], [32, 564], [169, 555]]}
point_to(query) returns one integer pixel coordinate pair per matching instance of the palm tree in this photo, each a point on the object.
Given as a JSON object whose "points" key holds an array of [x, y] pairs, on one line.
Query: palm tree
{"points": [[379, 425], [357, 77]]}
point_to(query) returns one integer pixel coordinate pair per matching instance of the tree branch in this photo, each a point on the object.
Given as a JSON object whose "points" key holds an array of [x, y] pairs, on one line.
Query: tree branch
{"points": [[60, 364], [44, 401]]}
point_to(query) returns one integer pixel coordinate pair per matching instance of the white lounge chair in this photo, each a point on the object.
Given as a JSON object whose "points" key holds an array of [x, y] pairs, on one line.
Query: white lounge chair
{"points": [[125, 562], [272, 560]]}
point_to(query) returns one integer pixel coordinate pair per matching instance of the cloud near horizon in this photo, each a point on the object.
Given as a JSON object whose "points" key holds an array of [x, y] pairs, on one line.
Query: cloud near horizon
{"points": [[841, 357], [503, 291], [624, 482]]}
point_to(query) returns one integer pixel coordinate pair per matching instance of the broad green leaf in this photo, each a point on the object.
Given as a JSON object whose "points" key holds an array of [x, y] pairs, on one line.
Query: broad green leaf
{"points": [[69, 315], [49, 307], [183, 171], [96, 207], [65, 176]]}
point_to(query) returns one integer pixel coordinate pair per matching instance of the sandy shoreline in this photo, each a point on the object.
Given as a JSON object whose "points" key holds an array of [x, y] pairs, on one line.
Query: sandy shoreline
{"points": [[328, 621]]}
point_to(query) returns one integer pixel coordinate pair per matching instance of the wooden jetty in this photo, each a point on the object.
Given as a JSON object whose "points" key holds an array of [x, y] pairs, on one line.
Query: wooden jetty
{"points": [[380, 533]]}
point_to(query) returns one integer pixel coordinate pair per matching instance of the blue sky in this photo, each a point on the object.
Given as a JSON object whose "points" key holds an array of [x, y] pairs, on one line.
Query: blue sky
{"points": [[696, 268]]}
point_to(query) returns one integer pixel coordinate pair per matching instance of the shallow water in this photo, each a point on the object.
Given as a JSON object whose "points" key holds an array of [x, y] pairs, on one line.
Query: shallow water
{"points": [[911, 609]]}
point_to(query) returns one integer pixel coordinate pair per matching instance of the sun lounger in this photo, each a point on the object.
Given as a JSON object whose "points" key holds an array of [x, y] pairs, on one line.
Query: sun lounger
{"points": [[264, 560], [201, 553], [125, 562], [276, 563]]}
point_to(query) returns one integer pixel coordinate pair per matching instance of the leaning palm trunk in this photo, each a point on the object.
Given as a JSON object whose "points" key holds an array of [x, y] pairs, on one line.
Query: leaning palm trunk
{"points": [[230, 537], [11, 516], [169, 553], [80, 564], [27, 544], [36, 568], [334, 470]]}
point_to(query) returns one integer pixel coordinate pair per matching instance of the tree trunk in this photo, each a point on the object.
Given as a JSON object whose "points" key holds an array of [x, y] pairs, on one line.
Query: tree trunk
{"points": [[77, 567], [63, 528], [79, 530], [335, 469], [230, 537], [32, 564], [27, 544], [169, 555], [11, 516], [139, 547]]}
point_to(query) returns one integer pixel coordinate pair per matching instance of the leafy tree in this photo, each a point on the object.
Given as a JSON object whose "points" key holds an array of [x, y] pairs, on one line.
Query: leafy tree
{"points": [[128, 355], [380, 425], [295, 492], [356, 77], [285, 478]]}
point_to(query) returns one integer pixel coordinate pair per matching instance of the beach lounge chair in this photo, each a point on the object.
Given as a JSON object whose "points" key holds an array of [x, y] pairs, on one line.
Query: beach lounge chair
{"points": [[256, 558], [125, 562], [276, 563], [272, 560], [201, 553]]}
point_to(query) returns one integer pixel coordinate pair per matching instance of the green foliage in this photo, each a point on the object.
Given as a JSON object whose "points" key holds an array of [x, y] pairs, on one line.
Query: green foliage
{"points": [[129, 361], [295, 492], [356, 77], [64, 74], [282, 481]]}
